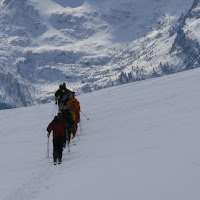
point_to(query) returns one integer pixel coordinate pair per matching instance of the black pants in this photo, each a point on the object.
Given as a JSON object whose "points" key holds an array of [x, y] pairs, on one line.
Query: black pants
{"points": [[58, 147], [68, 135]]}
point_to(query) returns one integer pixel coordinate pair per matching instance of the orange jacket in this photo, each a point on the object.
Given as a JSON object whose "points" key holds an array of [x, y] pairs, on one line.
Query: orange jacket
{"points": [[74, 105]]}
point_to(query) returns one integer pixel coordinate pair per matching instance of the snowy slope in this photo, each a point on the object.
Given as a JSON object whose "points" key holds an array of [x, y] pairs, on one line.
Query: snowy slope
{"points": [[91, 44], [141, 142]]}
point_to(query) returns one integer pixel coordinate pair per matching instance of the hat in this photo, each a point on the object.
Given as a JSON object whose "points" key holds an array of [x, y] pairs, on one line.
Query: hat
{"points": [[73, 94]]}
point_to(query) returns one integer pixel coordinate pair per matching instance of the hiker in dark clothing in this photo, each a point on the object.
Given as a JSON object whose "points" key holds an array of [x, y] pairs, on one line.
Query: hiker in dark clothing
{"points": [[62, 96], [69, 118], [59, 127], [58, 95]]}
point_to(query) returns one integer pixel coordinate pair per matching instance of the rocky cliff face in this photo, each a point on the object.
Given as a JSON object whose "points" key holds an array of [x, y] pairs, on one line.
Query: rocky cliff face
{"points": [[186, 44]]}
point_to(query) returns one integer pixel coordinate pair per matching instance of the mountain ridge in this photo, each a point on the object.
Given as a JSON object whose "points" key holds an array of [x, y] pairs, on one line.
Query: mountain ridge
{"points": [[92, 45]]}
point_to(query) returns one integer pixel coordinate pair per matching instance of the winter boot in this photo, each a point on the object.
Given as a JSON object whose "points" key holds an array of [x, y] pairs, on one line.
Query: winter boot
{"points": [[55, 157], [59, 160]]}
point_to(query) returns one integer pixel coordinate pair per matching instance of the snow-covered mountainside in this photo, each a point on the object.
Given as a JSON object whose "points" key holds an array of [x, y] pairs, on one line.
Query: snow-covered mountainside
{"points": [[142, 147], [91, 44]]}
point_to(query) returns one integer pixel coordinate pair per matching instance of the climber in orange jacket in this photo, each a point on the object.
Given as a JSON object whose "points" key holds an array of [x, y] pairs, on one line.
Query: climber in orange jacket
{"points": [[74, 106]]}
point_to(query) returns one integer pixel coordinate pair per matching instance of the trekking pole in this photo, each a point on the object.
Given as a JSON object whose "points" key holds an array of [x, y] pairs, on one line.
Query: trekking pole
{"points": [[54, 110], [85, 115], [77, 134], [73, 141], [48, 147], [68, 146], [80, 126]]}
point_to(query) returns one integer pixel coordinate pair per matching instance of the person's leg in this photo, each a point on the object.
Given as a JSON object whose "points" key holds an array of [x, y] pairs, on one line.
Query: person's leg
{"points": [[55, 149], [60, 148]]}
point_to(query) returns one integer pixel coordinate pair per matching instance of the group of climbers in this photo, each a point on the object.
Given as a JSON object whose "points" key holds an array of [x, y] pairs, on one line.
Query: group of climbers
{"points": [[64, 125]]}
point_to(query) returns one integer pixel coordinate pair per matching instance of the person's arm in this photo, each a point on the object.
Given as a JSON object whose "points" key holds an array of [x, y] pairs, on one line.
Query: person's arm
{"points": [[49, 129]]}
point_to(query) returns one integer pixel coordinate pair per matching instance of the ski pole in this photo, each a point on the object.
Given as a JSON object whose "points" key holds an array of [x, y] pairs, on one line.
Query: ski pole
{"points": [[76, 131], [68, 146], [54, 110], [77, 134], [80, 126], [73, 141], [85, 115], [48, 147]]}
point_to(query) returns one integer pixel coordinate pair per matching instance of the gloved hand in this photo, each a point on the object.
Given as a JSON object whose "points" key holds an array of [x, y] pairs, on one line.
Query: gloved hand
{"points": [[56, 102], [48, 134]]}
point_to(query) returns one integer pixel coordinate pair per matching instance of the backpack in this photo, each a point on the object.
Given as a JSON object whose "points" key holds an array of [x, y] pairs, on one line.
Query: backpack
{"points": [[67, 116], [66, 96]]}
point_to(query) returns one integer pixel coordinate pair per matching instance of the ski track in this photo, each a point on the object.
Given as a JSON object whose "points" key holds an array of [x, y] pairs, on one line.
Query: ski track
{"points": [[40, 181], [30, 189]]}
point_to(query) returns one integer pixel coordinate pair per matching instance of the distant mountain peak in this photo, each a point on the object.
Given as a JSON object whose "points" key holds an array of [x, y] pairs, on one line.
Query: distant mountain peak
{"points": [[91, 44]]}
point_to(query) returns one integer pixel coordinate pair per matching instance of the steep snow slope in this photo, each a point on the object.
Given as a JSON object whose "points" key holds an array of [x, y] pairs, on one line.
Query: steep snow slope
{"points": [[141, 142], [92, 44]]}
